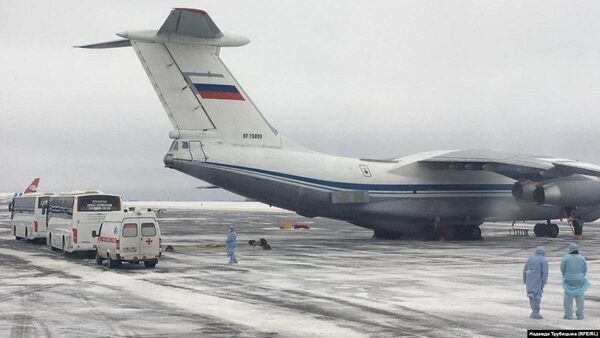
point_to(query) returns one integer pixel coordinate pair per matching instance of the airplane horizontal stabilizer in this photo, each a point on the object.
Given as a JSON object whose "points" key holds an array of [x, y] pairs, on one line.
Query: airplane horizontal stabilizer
{"points": [[190, 22], [108, 44]]}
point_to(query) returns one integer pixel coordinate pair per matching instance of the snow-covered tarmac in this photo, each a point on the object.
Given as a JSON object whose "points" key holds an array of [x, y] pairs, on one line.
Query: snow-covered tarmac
{"points": [[331, 280]]}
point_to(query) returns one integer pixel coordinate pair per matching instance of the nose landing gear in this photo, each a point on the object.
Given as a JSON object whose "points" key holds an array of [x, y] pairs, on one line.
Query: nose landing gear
{"points": [[577, 224]]}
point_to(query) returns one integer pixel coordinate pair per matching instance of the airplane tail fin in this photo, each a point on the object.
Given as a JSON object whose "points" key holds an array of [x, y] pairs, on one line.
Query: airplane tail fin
{"points": [[197, 91], [32, 187]]}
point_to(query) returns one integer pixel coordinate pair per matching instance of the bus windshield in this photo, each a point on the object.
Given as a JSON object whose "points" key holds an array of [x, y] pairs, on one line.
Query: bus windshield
{"points": [[98, 203]]}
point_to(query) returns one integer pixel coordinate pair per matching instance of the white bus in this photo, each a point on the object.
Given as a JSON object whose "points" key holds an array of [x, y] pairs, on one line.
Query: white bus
{"points": [[72, 217], [29, 216]]}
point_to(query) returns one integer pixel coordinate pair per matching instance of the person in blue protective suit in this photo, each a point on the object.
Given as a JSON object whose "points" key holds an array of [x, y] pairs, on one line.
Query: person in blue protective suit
{"points": [[231, 244], [574, 269], [535, 275]]}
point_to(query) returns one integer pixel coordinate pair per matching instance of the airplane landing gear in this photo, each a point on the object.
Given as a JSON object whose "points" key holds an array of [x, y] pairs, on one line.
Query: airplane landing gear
{"points": [[454, 232], [386, 234], [546, 230], [435, 233], [577, 224], [473, 233]]}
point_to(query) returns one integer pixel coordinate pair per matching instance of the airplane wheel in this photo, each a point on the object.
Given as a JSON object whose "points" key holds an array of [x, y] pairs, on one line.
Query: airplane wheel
{"points": [[429, 233], [385, 234], [552, 230], [540, 230], [577, 226], [473, 233], [449, 232], [377, 233]]}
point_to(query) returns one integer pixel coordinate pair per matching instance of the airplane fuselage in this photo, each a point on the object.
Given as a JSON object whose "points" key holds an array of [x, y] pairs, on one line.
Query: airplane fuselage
{"points": [[397, 195]]}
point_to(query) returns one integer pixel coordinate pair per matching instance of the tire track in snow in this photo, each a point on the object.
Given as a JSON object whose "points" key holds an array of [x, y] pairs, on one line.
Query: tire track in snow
{"points": [[259, 317]]}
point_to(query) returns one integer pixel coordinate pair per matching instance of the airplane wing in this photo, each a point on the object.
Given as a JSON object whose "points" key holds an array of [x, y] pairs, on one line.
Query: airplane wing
{"points": [[519, 166]]}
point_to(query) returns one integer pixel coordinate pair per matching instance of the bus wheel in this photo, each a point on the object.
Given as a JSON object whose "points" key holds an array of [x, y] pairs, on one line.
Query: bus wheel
{"points": [[64, 248], [150, 264], [50, 242], [15, 232], [26, 234], [98, 258]]}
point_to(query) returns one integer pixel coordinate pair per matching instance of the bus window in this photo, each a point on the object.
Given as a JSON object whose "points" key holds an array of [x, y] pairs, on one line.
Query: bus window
{"points": [[148, 230], [130, 230], [99, 203], [61, 207], [24, 205]]}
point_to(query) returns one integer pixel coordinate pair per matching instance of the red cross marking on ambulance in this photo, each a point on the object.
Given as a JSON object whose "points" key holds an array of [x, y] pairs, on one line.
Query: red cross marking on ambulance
{"points": [[149, 241]]}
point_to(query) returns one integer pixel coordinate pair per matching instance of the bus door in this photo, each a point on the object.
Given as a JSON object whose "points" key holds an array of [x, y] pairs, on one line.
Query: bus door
{"points": [[149, 243], [43, 210], [130, 244]]}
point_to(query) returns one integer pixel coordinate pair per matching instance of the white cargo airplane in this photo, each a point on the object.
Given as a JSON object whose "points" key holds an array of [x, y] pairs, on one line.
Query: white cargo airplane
{"points": [[7, 197], [221, 137]]}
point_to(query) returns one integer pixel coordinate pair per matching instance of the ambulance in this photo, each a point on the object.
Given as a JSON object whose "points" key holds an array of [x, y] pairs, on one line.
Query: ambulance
{"points": [[131, 236]]}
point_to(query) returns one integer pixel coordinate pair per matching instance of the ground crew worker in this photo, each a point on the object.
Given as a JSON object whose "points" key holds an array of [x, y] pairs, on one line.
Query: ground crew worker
{"points": [[231, 242], [535, 275], [574, 269]]}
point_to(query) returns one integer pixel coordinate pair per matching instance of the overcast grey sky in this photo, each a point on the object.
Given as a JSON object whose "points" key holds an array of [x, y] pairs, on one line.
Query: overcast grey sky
{"points": [[353, 78]]}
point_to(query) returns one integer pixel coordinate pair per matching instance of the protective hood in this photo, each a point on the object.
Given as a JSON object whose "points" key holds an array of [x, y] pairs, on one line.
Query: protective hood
{"points": [[539, 251], [231, 227], [572, 247]]}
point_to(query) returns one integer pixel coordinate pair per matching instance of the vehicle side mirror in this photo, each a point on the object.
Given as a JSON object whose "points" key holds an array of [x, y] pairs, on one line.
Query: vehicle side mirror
{"points": [[94, 234]]}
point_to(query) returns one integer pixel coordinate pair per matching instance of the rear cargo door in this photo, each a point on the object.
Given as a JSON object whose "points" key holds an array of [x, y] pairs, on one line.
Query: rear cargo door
{"points": [[130, 245], [197, 152]]}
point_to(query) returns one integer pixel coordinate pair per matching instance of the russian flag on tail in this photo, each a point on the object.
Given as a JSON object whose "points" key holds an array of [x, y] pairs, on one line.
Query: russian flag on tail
{"points": [[217, 91]]}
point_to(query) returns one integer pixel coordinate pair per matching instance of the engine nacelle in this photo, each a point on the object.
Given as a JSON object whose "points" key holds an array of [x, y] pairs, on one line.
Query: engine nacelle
{"points": [[569, 193], [523, 191]]}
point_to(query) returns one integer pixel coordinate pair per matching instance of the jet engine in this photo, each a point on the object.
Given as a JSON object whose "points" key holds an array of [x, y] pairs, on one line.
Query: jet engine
{"points": [[523, 191], [569, 193]]}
